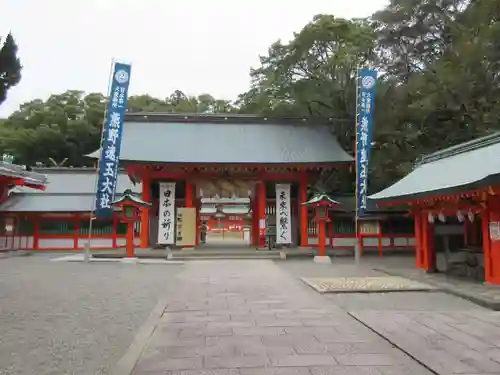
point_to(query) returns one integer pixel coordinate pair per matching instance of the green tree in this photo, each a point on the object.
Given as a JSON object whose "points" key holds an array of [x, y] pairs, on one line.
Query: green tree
{"points": [[69, 125], [10, 66], [314, 74]]}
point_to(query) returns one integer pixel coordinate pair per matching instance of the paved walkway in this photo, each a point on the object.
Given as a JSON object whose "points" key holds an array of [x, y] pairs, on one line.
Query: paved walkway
{"points": [[251, 317], [449, 343], [482, 294]]}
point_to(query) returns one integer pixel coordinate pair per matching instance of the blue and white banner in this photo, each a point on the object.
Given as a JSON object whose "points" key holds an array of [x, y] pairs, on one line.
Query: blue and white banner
{"points": [[111, 139], [364, 134]]}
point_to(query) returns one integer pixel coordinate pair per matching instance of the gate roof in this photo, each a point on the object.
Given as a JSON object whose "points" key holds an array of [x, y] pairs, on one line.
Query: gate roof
{"points": [[223, 139]]}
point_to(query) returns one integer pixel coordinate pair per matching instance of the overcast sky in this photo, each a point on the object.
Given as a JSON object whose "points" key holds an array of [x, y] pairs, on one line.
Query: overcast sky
{"points": [[197, 46]]}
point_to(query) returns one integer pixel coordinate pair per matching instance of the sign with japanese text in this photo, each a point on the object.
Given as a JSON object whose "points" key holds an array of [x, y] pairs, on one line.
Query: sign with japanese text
{"points": [[494, 229], [166, 214], [364, 133], [283, 214], [186, 226], [111, 139]]}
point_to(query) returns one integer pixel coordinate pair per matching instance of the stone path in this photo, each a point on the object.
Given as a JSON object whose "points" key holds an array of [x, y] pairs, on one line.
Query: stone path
{"points": [[251, 317], [482, 294], [447, 342]]}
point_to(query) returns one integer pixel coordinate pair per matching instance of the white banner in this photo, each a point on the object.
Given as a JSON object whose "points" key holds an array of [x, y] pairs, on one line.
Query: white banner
{"points": [[283, 214], [166, 213]]}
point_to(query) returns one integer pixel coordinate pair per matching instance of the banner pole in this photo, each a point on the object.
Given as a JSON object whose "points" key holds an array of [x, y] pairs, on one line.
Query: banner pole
{"points": [[87, 246], [357, 250]]}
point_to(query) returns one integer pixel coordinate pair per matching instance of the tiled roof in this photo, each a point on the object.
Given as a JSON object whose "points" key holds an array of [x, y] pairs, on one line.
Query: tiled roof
{"points": [[229, 139], [68, 190], [17, 171], [467, 166]]}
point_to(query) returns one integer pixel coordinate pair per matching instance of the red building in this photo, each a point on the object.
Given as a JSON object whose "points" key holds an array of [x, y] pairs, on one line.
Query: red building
{"points": [[455, 192], [268, 163], [12, 176], [57, 218]]}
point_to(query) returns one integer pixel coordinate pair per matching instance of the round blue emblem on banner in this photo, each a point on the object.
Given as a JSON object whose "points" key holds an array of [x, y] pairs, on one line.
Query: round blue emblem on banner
{"points": [[368, 82], [121, 76]]}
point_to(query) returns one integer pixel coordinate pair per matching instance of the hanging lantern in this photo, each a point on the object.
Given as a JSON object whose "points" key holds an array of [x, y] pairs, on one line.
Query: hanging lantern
{"points": [[470, 215], [460, 216], [430, 218], [441, 217]]}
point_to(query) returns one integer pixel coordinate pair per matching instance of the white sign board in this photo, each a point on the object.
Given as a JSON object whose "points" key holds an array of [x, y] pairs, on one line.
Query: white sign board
{"points": [[494, 227], [166, 214], [283, 214]]}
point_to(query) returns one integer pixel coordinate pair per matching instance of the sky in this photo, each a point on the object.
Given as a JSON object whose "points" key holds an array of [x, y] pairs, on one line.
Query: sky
{"points": [[196, 46]]}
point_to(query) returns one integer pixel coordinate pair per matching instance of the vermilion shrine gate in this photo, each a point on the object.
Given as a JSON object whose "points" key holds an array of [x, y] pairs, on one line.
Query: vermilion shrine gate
{"points": [[181, 159]]}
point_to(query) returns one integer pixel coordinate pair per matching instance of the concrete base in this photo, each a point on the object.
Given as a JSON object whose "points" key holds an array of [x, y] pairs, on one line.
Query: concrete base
{"points": [[130, 260], [80, 258], [322, 259]]}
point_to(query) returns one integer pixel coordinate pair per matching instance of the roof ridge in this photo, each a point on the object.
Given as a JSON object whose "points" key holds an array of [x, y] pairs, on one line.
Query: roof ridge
{"points": [[228, 118], [460, 148]]}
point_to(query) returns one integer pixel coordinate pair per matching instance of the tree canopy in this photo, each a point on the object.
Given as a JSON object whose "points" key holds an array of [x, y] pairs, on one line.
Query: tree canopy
{"points": [[68, 126], [439, 65], [10, 66]]}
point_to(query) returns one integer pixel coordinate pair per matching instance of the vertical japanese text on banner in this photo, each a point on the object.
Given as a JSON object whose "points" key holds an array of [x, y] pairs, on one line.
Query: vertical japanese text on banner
{"points": [[111, 138], [364, 134]]}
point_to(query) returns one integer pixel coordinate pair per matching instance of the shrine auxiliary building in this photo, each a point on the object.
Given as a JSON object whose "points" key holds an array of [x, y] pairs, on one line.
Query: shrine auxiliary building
{"points": [[180, 159], [459, 185]]}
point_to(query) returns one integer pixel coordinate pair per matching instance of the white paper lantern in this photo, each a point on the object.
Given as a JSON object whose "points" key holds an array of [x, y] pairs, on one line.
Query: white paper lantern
{"points": [[470, 215], [441, 217], [430, 218], [460, 216]]}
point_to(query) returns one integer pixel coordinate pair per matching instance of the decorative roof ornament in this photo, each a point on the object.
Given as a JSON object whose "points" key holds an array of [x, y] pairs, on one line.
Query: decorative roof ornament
{"points": [[129, 196], [321, 199]]}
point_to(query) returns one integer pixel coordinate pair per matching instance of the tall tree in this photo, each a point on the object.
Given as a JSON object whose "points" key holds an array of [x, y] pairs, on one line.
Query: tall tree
{"points": [[69, 125], [10, 66], [314, 74]]}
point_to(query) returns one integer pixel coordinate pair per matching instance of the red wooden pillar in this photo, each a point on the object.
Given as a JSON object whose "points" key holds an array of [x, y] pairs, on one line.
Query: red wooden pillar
{"points": [[485, 218], [262, 214], [36, 232], [76, 233], [428, 249], [198, 221], [303, 219], [115, 232], [130, 239], [146, 197], [255, 218], [321, 238], [379, 240], [417, 217], [491, 247], [188, 202]]}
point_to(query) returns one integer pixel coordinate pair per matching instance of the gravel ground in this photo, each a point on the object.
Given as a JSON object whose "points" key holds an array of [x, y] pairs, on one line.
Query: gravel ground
{"points": [[344, 267], [73, 318]]}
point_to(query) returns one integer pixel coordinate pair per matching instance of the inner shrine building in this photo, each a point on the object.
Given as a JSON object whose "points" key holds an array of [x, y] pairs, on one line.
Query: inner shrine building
{"points": [[180, 159]]}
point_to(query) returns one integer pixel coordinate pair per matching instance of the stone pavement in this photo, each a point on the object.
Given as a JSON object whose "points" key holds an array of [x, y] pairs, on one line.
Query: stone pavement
{"points": [[449, 343], [251, 317], [482, 294]]}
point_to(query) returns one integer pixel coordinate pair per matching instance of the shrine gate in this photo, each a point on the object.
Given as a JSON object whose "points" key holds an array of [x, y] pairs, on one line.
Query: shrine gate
{"points": [[180, 159]]}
